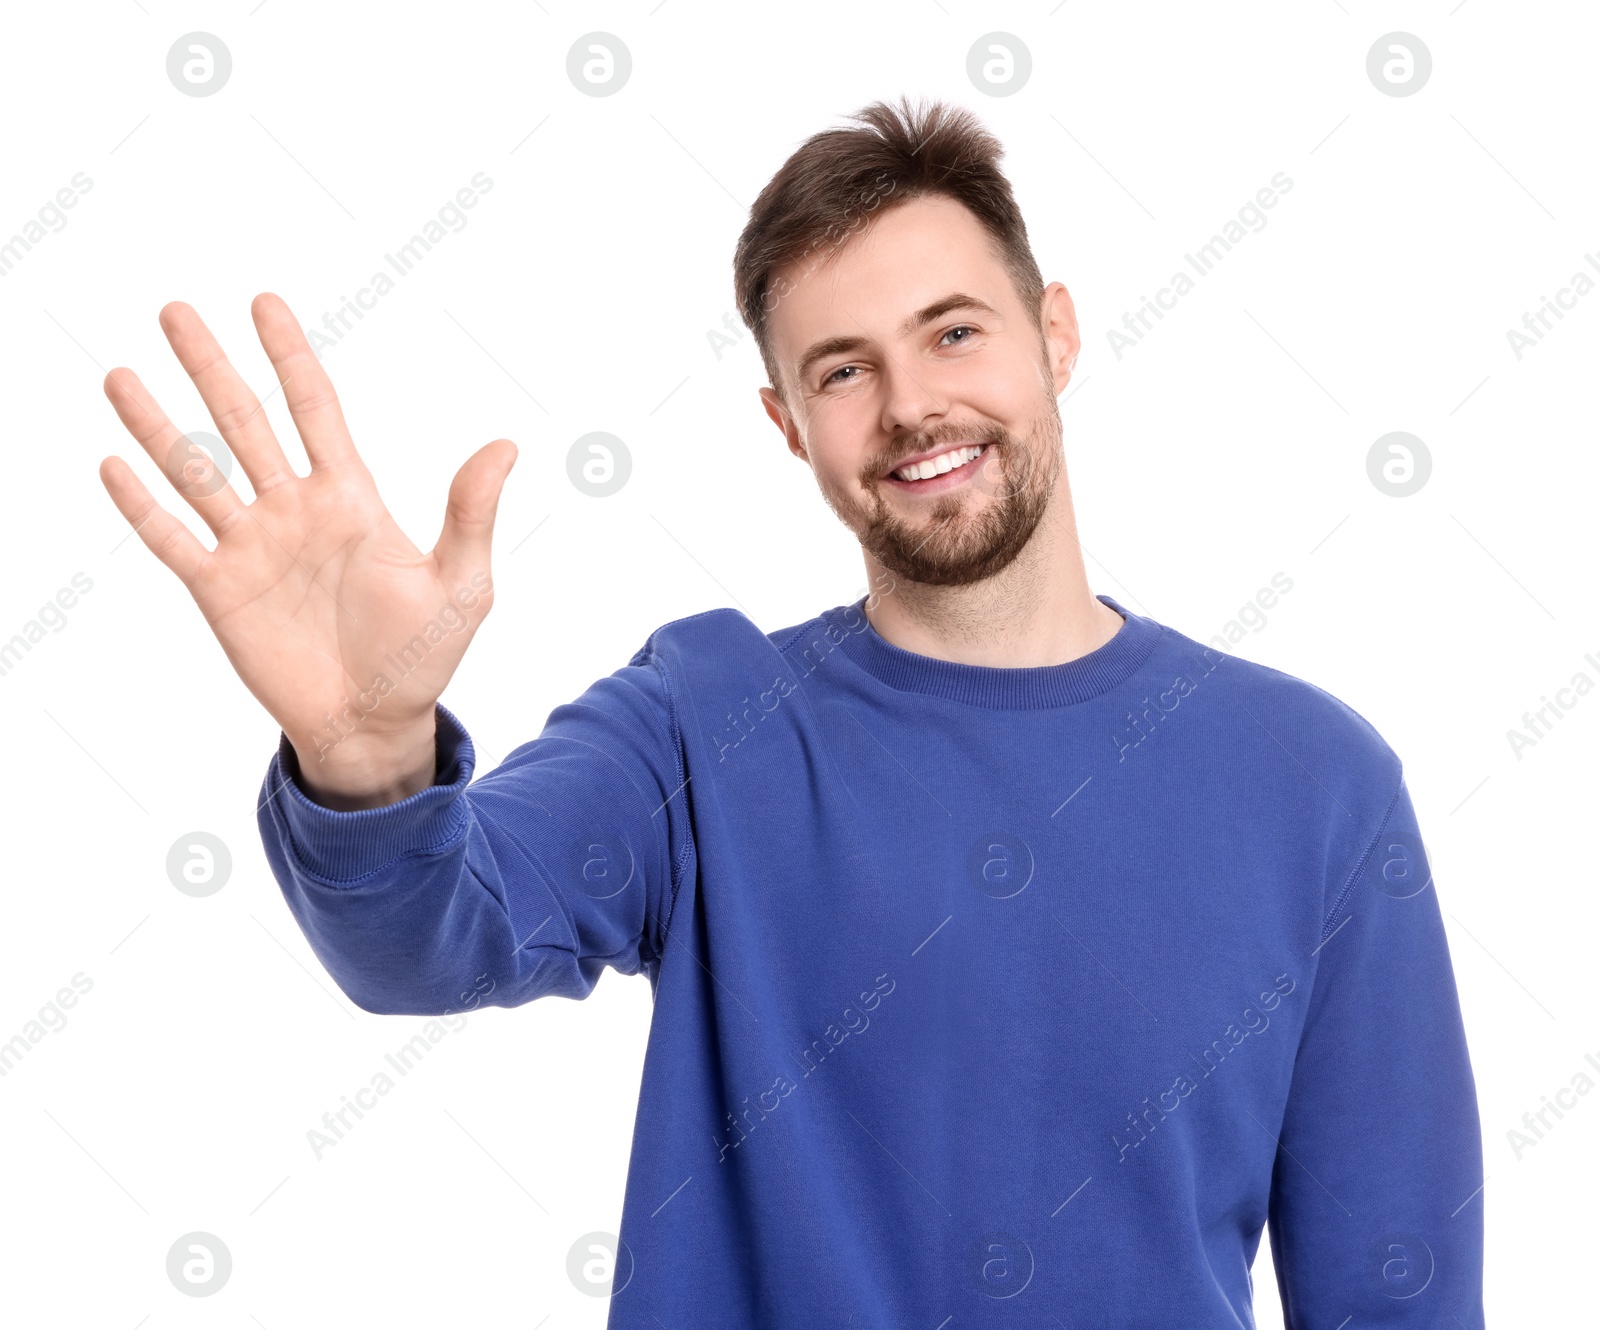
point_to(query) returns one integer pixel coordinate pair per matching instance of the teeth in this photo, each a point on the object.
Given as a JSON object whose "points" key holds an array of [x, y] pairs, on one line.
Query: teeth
{"points": [[937, 466]]}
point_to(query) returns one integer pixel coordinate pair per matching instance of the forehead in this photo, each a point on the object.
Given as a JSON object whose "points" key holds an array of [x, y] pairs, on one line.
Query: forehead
{"points": [[904, 258]]}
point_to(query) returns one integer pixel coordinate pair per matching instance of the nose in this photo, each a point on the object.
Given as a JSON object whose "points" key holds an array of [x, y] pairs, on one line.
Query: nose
{"points": [[912, 399]]}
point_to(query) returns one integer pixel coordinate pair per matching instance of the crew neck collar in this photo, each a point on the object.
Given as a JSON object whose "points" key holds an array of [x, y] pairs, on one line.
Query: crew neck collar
{"points": [[1000, 687]]}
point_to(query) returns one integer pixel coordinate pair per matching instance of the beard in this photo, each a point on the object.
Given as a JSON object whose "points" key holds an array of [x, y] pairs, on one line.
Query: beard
{"points": [[972, 532]]}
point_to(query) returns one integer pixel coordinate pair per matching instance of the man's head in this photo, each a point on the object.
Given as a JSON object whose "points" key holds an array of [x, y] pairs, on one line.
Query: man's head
{"points": [[886, 275]]}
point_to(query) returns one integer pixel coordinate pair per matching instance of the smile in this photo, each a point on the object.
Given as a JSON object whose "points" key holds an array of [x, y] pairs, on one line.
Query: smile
{"points": [[936, 474]]}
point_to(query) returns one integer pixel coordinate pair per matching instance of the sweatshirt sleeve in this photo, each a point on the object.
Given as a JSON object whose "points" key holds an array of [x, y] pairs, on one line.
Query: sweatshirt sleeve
{"points": [[1376, 1209], [525, 883]]}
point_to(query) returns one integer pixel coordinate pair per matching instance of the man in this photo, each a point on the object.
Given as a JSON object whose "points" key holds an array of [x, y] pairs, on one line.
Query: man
{"points": [[1013, 955]]}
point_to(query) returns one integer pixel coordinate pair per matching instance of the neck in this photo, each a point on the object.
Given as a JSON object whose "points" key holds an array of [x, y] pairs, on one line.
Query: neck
{"points": [[1038, 610]]}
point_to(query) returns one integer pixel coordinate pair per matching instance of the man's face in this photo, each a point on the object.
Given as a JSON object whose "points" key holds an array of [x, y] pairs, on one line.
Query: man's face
{"points": [[910, 342]]}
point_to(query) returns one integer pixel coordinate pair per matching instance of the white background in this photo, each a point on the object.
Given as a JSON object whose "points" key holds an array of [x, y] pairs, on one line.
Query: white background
{"points": [[1228, 446]]}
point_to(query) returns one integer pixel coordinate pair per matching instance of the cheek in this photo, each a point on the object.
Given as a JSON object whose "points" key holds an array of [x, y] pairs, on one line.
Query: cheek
{"points": [[1016, 394], [843, 471], [838, 466], [994, 382], [1009, 378], [839, 434]]}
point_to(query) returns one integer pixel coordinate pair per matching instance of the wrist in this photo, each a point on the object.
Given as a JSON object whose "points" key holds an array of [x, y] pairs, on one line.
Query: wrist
{"points": [[369, 770]]}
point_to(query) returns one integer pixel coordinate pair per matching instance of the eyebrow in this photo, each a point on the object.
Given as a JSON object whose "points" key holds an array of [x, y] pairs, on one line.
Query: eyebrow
{"points": [[833, 346]]}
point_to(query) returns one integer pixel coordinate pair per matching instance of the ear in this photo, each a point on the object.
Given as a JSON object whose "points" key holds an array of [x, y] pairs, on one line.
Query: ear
{"points": [[1059, 326], [780, 417]]}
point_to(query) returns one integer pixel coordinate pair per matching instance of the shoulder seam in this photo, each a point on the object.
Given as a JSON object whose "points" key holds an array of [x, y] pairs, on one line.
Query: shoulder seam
{"points": [[801, 631], [1366, 855], [646, 655]]}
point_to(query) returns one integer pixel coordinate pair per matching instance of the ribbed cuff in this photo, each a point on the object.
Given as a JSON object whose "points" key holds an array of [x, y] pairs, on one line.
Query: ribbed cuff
{"points": [[344, 847]]}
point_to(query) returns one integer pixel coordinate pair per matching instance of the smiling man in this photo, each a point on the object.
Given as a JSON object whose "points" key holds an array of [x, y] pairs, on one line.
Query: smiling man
{"points": [[1015, 958], [930, 421]]}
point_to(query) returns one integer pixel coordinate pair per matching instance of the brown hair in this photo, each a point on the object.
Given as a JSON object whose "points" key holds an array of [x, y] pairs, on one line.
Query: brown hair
{"points": [[835, 181]]}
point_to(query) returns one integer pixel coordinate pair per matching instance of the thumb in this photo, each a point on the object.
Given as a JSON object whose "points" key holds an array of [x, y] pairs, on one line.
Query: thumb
{"points": [[464, 541]]}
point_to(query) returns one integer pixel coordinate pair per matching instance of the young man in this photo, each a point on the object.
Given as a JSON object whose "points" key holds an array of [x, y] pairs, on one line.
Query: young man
{"points": [[1013, 954]]}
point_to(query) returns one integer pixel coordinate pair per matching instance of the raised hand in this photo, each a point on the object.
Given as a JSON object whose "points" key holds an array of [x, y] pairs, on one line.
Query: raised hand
{"points": [[341, 627]]}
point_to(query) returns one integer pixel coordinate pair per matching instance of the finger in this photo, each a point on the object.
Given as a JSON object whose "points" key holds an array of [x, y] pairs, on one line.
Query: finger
{"points": [[306, 386], [187, 466], [163, 534], [228, 398], [464, 542]]}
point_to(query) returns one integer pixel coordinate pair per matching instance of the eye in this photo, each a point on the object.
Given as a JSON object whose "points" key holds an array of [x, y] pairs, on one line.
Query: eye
{"points": [[960, 327], [832, 378]]}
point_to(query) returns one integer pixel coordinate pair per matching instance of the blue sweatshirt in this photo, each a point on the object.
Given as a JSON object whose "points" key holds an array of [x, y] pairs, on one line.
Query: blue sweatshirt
{"points": [[982, 996]]}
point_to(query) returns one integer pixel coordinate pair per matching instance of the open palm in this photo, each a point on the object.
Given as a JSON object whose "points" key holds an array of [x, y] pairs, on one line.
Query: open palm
{"points": [[340, 626]]}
